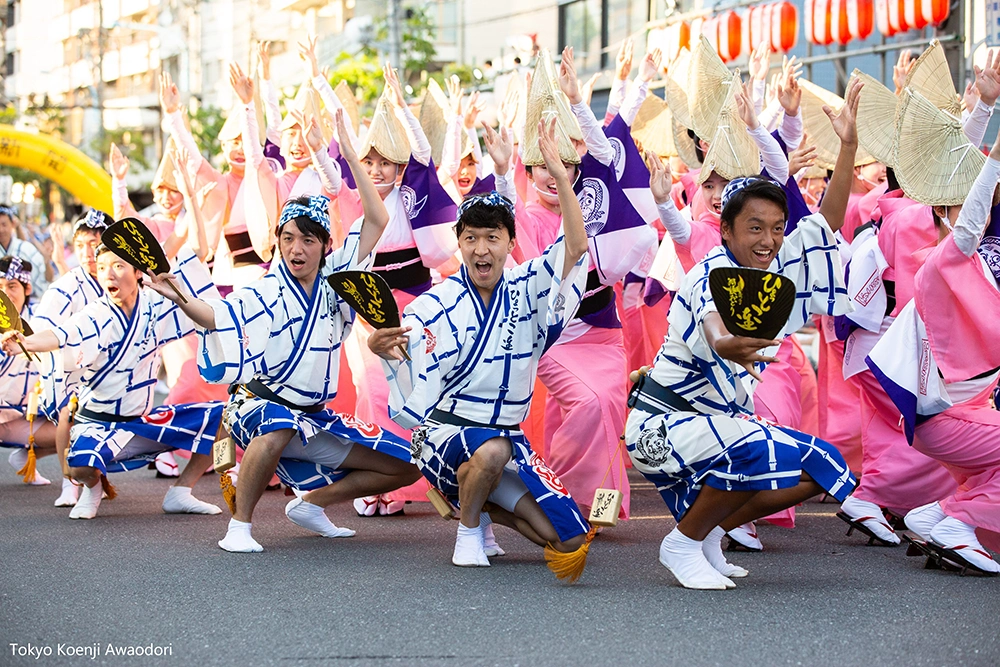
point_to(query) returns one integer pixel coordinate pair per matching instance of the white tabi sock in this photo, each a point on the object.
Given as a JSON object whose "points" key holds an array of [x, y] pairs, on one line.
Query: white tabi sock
{"points": [[18, 458], [490, 545], [712, 548], [960, 537], [312, 517], [366, 506], [86, 506], [179, 500], [871, 516], [238, 539], [469, 550], [70, 491], [921, 520], [686, 561]]}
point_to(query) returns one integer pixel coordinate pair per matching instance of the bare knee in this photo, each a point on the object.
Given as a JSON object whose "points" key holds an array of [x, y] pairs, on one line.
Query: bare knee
{"points": [[491, 456], [411, 474], [569, 545], [273, 443]]}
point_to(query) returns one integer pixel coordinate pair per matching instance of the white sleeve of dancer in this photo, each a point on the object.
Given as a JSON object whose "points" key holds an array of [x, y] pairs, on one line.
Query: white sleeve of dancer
{"points": [[452, 146], [419, 145], [175, 121], [975, 125], [328, 170], [975, 213], [676, 224], [771, 155], [597, 142], [636, 96], [272, 112], [771, 116], [252, 149], [790, 130], [758, 91], [505, 185], [332, 102], [616, 97], [477, 152]]}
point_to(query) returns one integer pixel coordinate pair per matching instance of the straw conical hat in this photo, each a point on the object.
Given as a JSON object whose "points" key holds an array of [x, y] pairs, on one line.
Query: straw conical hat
{"points": [[164, 176], [676, 90], [685, 145], [386, 133], [819, 128], [544, 104], [433, 118], [877, 119], [350, 103], [307, 102], [708, 88], [931, 77], [732, 152], [935, 164], [653, 127], [814, 172]]}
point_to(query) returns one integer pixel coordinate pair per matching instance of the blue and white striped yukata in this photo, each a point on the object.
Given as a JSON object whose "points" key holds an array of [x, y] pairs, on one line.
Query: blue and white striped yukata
{"points": [[273, 332], [479, 362], [723, 444], [17, 378], [120, 359], [65, 297]]}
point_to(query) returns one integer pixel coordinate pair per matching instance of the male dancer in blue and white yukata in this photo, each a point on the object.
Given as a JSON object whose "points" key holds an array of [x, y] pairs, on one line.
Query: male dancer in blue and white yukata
{"points": [[692, 431], [277, 341], [474, 343], [65, 297], [115, 341]]}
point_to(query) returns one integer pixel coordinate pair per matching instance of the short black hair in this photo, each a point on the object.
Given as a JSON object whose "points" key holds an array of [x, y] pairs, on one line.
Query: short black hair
{"points": [[697, 149], [485, 216], [5, 266], [759, 189]]}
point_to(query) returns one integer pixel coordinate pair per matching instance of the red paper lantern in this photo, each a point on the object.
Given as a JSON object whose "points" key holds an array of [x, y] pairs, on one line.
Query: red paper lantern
{"points": [[882, 18], [839, 22], [860, 18], [912, 14], [935, 12], [710, 28], [820, 29], [730, 36], [897, 15], [751, 28], [784, 26]]}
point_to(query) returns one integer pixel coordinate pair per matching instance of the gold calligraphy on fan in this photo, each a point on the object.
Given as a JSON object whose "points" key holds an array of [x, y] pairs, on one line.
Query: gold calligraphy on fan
{"points": [[750, 317], [140, 251], [370, 303], [5, 322]]}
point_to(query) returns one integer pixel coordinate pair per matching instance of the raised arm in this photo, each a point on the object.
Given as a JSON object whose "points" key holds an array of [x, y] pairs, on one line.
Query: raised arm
{"points": [[376, 215], [838, 192], [597, 142], [419, 146], [975, 213], [772, 157], [574, 234], [648, 69], [659, 184], [119, 188]]}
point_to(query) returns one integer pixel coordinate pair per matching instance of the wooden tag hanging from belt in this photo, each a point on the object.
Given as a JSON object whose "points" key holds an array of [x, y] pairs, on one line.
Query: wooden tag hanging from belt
{"points": [[752, 302], [369, 296], [133, 242]]}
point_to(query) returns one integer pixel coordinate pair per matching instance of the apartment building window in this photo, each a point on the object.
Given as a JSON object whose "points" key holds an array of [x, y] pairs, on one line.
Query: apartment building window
{"points": [[581, 25], [595, 28]]}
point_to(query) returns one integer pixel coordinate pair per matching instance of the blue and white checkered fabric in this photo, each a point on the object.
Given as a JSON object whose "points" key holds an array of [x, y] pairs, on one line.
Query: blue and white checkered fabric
{"points": [[317, 211]]}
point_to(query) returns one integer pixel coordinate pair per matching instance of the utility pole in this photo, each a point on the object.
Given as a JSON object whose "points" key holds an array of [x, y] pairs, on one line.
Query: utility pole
{"points": [[99, 73], [393, 21]]}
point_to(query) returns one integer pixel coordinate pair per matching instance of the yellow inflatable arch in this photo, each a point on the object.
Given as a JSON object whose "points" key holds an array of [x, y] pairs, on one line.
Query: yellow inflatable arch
{"points": [[59, 162]]}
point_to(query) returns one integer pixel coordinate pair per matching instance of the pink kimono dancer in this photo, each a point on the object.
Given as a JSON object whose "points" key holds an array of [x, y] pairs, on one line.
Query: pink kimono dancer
{"points": [[372, 391], [839, 416], [965, 438], [585, 414], [643, 327], [787, 396], [894, 475]]}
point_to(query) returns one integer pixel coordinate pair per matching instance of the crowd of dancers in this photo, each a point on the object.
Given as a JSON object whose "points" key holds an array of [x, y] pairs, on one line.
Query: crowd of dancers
{"points": [[531, 279]]}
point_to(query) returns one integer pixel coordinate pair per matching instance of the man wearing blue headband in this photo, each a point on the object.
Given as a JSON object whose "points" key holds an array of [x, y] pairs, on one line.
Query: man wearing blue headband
{"points": [[474, 342], [277, 342], [64, 298]]}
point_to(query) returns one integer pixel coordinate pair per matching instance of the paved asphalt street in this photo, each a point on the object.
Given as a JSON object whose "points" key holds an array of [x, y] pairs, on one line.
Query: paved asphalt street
{"points": [[390, 596]]}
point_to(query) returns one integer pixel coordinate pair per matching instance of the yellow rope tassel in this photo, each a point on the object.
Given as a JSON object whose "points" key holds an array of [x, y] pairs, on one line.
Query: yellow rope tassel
{"points": [[109, 489], [228, 491], [569, 565], [28, 470]]}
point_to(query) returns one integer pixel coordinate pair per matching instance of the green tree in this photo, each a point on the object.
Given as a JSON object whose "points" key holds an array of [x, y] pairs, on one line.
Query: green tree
{"points": [[206, 122], [362, 73], [131, 141], [417, 31]]}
